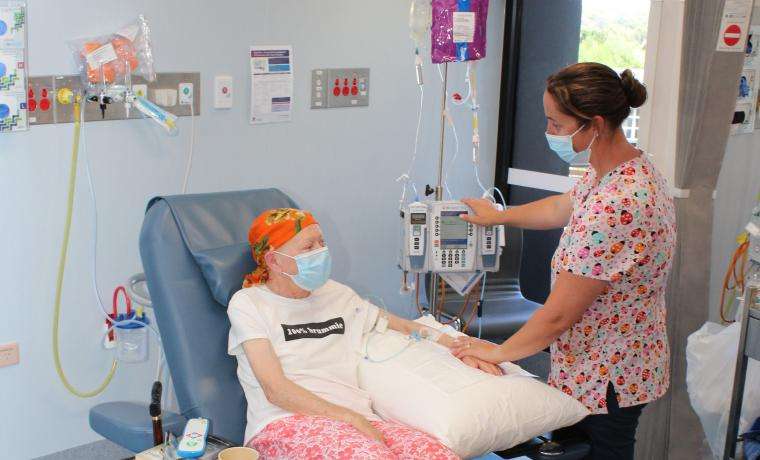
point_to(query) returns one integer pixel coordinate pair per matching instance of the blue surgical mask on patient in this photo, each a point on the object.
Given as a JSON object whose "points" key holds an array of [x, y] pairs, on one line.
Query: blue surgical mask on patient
{"points": [[313, 269], [563, 146]]}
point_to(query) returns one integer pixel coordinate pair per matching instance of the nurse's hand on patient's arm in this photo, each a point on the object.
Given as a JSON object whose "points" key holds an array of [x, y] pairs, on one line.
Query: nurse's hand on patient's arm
{"points": [[470, 347], [284, 393], [571, 296]]}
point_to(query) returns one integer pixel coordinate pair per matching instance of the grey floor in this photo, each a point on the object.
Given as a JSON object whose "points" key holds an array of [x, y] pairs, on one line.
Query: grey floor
{"points": [[99, 450]]}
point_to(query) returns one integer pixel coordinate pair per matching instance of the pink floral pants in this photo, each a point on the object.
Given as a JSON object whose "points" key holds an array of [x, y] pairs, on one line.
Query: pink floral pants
{"points": [[312, 438]]}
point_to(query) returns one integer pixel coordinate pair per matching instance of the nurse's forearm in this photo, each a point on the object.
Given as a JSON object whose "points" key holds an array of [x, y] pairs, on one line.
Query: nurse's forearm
{"points": [[547, 213], [539, 332]]}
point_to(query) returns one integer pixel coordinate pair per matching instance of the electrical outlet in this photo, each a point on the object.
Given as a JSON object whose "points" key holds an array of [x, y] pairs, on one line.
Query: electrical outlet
{"points": [[9, 354], [344, 87], [185, 94]]}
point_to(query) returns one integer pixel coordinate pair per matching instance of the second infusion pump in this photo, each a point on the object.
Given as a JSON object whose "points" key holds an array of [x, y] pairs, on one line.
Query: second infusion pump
{"points": [[436, 240]]}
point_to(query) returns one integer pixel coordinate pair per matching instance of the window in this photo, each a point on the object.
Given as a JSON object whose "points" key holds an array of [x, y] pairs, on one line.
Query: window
{"points": [[615, 34]]}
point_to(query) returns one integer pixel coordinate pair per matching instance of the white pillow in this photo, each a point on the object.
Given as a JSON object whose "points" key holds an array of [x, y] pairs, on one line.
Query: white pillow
{"points": [[469, 411]]}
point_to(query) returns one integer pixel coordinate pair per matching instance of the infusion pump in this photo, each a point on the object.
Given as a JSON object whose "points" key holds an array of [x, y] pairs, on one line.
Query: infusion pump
{"points": [[436, 240]]}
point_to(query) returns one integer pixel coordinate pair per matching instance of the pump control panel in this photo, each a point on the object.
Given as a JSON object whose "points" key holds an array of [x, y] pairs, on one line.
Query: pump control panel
{"points": [[436, 239]]}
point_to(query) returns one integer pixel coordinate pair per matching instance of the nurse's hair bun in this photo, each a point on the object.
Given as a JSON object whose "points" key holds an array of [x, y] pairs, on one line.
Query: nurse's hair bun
{"points": [[589, 89], [635, 92]]}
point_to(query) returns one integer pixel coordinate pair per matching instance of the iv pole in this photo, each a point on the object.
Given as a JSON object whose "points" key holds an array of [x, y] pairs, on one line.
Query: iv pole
{"points": [[439, 187]]}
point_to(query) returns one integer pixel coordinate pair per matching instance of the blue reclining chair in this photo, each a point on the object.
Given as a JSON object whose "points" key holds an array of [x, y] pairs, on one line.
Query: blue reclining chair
{"points": [[195, 253]]}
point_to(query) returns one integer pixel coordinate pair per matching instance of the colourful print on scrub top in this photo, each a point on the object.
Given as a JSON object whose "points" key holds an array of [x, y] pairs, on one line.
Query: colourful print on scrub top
{"points": [[623, 231]]}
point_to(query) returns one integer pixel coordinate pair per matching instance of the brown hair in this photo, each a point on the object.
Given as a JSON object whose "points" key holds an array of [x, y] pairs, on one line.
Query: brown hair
{"points": [[588, 89]]}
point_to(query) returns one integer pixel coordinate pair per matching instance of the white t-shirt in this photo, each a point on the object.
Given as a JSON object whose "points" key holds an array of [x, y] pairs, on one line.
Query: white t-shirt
{"points": [[317, 339]]}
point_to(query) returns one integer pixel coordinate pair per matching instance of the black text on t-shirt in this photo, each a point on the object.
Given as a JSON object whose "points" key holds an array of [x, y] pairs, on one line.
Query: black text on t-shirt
{"points": [[313, 330]]}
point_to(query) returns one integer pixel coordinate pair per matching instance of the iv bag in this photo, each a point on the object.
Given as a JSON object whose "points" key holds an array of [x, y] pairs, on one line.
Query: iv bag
{"points": [[458, 30], [420, 20]]}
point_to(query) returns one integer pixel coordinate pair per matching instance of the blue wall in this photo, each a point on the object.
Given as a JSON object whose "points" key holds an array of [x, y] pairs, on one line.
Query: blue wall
{"points": [[341, 164]]}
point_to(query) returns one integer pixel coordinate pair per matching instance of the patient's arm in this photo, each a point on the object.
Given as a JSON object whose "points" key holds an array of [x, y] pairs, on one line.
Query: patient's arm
{"points": [[292, 397], [406, 327]]}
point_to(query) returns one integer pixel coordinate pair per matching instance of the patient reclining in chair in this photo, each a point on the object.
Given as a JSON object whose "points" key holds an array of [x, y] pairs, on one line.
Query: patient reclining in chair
{"points": [[297, 337]]}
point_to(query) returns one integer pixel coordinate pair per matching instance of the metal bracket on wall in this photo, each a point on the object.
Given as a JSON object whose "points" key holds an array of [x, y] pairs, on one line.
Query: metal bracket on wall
{"points": [[45, 107]]}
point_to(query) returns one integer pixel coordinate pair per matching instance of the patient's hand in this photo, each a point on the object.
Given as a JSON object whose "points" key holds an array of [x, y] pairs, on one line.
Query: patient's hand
{"points": [[366, 428], [484, 366]]}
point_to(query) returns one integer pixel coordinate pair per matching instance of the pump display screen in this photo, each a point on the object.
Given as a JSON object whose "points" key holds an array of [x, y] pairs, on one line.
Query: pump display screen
{"points": [[418, 218], [453, 230]]}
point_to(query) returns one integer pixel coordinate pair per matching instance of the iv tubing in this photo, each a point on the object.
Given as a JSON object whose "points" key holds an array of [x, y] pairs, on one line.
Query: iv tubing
{"points": [[406, 177], [192, 148]]}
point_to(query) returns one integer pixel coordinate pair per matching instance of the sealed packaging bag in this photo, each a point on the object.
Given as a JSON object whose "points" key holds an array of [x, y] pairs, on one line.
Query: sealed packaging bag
{"points": [[108, 59]]}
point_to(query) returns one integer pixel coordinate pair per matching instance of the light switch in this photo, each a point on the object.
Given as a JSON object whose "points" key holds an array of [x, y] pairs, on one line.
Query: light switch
{"points": [[223, 92]]}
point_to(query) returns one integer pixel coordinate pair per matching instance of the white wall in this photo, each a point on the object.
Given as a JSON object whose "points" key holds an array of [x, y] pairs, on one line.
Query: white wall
{"points": [[735, 196], [659, 117], [341, 164]]}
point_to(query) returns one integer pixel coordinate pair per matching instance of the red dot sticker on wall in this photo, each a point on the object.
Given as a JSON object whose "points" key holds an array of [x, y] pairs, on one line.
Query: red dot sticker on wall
{"points": [[732, 34]]}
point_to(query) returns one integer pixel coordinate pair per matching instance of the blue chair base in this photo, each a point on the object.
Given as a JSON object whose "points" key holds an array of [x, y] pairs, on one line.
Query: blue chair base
{"points": [[129, 425]]}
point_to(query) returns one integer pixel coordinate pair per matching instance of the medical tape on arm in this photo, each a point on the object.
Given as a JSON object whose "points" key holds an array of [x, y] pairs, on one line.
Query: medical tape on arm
{"points": [[381, 325]]}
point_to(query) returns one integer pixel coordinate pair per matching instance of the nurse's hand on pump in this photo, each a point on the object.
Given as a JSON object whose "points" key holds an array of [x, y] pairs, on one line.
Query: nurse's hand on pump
{"points": [[470, 347], [484, 212]]}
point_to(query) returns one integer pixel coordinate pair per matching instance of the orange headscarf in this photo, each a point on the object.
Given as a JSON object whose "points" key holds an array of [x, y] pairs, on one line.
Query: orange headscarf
{"points": [[269, 231]]}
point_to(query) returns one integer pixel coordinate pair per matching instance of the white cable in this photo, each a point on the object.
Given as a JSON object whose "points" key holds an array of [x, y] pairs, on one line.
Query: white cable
{"points": [[192, 148], [496, 189], [469, 88], [93, 198], [94, 202], [160, 364], [453, 158], [480, 184], [474, 108], [450, 120], [406, 178]]}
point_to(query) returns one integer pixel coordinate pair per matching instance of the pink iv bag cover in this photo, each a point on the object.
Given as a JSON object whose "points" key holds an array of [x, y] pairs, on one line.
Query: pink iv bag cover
{"points": [[458, 30]]}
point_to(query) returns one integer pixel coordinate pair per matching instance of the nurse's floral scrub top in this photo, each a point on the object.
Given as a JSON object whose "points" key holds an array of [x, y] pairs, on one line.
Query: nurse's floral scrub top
{"points": [[623, 231]]}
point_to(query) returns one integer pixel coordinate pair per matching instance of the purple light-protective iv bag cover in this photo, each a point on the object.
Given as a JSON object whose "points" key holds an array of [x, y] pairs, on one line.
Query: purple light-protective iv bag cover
{"points": [[443, 48]]}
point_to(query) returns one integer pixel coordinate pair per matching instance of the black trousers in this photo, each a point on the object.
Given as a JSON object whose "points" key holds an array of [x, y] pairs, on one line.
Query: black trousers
{"points": [[612, 435]]}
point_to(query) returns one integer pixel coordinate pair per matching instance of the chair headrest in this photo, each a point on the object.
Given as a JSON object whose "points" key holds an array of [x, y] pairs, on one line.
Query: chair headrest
{"points": [[214, 227]]}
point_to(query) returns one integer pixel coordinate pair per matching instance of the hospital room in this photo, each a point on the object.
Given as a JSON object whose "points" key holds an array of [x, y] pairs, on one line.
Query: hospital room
{"points": [[365, 229]]}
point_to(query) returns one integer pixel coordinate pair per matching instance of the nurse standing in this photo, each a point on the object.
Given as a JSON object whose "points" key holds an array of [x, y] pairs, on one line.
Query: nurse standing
{"points": [[605, 318]]}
